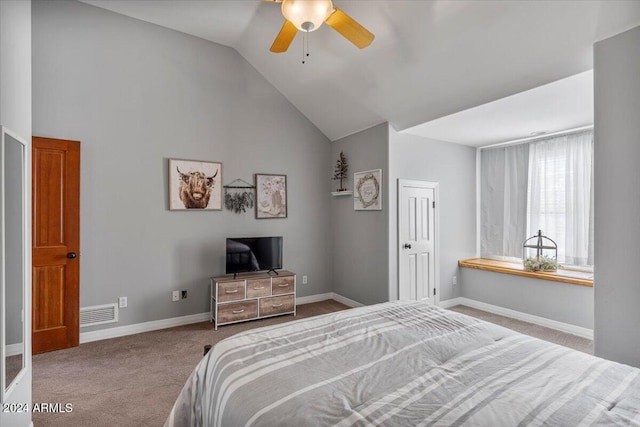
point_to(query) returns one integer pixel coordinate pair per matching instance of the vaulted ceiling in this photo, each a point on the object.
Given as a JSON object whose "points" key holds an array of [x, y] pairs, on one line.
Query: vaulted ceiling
{"points": [[430, 59]]}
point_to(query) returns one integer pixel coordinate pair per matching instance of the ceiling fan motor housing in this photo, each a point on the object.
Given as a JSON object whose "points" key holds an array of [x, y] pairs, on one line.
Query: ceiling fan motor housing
{"points": [[307, 15]]}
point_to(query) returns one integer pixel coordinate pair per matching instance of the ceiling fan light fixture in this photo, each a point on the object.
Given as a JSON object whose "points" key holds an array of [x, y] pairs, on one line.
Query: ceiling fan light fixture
{"points": [[307, 15]]}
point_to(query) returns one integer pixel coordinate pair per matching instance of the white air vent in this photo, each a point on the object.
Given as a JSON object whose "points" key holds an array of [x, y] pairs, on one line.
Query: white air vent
{"points": [[98, 315]]}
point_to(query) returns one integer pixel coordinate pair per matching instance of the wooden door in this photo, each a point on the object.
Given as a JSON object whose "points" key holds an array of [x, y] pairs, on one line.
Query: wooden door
{"points": [[56, 244], [416, 237]]}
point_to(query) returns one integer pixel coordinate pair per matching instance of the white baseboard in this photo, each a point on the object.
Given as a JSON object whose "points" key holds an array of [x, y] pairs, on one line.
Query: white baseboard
{"points": [[525, 317], [328, 295], [314, 298], [345, 300], [451, 302], [155, 325], [121, 331], [13, 349]]}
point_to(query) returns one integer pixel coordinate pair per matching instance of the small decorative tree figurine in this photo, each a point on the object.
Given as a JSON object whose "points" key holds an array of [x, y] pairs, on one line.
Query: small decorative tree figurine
{"points": [[340, 172]]}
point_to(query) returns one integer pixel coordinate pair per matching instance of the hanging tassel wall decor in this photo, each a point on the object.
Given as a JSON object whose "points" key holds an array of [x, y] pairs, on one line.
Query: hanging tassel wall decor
{"points": [[239, 198]]}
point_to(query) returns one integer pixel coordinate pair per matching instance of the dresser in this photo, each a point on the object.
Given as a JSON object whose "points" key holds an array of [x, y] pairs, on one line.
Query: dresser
{"points": [[252, 296]]}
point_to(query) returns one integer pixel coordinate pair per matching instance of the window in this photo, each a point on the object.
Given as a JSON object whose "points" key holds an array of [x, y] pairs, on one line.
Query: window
{"points": [[542, 185]]}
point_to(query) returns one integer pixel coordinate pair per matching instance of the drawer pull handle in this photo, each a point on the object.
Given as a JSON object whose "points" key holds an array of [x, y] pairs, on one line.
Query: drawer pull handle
{"points": [[238, 311], [283, 285], [277, 305], [235, 291], [257, 289]]}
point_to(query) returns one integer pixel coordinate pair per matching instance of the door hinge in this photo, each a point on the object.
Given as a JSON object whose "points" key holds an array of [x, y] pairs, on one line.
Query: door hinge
{"points": [[434, 205], [434, 291]]}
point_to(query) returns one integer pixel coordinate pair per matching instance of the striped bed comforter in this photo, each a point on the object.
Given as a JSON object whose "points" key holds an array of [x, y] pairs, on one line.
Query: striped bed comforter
{"points": [[402, 364]]}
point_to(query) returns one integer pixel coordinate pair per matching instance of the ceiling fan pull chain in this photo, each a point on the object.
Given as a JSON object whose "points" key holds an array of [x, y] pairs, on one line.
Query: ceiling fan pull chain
{"points": [[305, 46]]}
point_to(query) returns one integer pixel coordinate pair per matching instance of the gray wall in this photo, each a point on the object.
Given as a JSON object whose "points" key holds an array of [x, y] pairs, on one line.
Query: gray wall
{"points": [[135, 95], [360, 238], [15, 66], [617, 197], [15, 114], [453, 167], [571, 304]]}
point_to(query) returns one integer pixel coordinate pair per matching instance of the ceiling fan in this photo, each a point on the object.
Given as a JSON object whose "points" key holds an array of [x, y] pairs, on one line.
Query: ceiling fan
{"points": [[308, 15]]}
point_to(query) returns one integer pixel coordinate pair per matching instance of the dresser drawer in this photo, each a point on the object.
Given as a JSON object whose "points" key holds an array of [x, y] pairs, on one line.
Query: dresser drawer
{"points": [[231, 291], [252, 296], [258, 288], [282, 285], [275, 305], [235, 311]]}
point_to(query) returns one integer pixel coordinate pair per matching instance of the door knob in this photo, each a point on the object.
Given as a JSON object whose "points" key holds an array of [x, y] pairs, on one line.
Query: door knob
{"points": [[72, 255], [407, 245]]}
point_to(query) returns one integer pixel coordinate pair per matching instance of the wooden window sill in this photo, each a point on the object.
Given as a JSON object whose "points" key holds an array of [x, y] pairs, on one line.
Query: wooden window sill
{"points": [[571, 277]]}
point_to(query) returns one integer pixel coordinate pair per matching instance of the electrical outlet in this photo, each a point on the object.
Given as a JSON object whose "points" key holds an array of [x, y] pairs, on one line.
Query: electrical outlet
{"points": [[454, 280], [175, 296], [304, 280], [184, 295], [122, 302]]}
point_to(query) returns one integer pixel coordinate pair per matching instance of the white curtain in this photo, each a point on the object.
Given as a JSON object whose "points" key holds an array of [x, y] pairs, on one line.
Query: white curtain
{"points": [[503, 209], [560, 195]]}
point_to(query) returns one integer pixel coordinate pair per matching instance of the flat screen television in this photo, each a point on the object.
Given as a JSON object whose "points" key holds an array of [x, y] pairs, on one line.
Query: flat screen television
{"points": [[253, 254]]}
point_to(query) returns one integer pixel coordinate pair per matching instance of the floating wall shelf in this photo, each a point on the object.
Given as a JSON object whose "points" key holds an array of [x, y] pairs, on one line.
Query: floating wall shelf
{"points": [[341, 193]]}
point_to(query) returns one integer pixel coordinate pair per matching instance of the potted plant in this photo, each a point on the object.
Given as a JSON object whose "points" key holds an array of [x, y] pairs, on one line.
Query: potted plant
{"points": [[540, 263]]}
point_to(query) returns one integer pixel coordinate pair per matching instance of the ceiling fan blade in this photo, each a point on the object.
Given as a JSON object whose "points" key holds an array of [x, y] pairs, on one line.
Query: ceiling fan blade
{"points": [[284, 38], [273, 1], [349, 28]]}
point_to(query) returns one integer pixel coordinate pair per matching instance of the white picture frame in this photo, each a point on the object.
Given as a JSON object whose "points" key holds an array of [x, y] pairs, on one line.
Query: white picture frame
{"points": [[367, 190]]}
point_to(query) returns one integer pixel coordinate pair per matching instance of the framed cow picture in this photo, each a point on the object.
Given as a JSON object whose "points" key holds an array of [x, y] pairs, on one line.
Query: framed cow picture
{"points": [[195, 185]]}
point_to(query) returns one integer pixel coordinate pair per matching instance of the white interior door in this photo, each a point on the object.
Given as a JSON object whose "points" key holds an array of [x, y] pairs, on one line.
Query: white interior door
{"points": [[417, 230]]}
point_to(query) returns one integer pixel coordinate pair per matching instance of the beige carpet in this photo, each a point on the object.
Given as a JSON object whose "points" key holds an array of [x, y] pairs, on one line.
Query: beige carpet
{"points": [[134, 380], [567, 340]]}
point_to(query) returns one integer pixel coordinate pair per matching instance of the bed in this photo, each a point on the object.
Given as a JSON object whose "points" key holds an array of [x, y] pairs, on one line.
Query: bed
{"points": [[402, 364]]}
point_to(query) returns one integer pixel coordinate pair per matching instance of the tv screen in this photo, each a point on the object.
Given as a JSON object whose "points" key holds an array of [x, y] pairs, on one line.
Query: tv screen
{"points": [[253, 254]]}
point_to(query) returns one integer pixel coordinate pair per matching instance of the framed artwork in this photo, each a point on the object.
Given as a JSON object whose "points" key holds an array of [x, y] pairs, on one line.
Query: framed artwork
{"points": [[271, 196], [367, 191], [195, 185]]}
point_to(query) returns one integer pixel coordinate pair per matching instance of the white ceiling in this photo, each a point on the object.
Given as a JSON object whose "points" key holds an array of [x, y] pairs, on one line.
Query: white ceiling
{"points": [[558, 106], [430, 59]]}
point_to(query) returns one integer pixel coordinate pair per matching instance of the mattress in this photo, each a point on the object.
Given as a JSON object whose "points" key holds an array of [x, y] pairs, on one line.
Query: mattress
{"points": [[402, 364]]}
